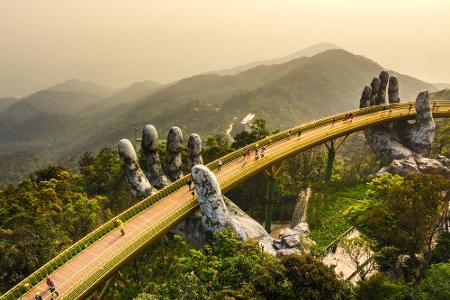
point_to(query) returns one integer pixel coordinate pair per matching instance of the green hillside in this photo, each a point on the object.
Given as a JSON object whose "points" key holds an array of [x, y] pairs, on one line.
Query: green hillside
{"points": [[310, 51], [58, 102], [285, 94], [326, 83], [126, 95], [68, 97]]}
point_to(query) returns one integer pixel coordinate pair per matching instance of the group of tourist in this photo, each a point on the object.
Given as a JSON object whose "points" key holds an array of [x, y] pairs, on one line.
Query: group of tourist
{"points": [[259, 153], [51, 286]]}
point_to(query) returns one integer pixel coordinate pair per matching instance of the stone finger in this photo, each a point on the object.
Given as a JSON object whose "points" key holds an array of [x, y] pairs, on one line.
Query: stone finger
{"points": [[215, 213], [365, 97], [150, 161], [421, 135], [375, 86], [393, 90], [140, 186], [173, 154], [194, 150], [381, 94]]}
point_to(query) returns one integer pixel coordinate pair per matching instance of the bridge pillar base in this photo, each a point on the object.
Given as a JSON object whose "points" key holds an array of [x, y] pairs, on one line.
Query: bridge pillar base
{"points": [[332, 148], [271, 186]]}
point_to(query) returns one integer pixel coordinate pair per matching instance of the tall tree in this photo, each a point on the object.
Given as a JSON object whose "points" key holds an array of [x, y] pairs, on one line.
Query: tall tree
{"points": [[404, 213]]}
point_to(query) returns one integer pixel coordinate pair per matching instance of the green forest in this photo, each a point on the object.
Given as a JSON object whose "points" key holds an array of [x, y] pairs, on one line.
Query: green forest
{"points": [[401, 219]]}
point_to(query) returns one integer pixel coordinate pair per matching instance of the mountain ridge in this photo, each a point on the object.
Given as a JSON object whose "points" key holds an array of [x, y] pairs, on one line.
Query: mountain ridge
{"points": [[285, 94], [76, 85], [307, 52], [6, 102]]}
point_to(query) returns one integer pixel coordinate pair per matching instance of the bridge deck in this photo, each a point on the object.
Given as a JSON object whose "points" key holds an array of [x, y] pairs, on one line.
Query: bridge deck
{"points": [[89, 260], [75, 270]]}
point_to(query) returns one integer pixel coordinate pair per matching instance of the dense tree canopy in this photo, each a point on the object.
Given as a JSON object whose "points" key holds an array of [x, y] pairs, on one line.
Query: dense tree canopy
{"points": [[41, 216], [436, 284], [403, 215], [227, 268]]}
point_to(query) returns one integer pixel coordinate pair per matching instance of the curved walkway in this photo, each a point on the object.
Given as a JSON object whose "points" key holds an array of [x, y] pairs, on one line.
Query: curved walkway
{"points": [[85, 271]]}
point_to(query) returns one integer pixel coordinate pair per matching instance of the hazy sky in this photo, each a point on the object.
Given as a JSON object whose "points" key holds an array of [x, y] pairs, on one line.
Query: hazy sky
{"points": [[117, 42]]}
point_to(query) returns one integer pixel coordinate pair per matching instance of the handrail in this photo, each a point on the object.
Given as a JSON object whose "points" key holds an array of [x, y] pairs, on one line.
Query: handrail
{"points": [[66, 255], [103, 272], [327, 248], [88, 240]]}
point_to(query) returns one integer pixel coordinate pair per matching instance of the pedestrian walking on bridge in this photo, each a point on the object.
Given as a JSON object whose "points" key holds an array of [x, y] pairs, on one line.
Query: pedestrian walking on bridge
{"points": [[256, 154], [219, 164], [51, 286], [121, 226], [246, 157]]}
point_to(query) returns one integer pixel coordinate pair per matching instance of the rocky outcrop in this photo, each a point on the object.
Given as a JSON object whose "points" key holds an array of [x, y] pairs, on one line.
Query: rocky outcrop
{"points": [[299, 220], [402, 147], [195, 229], [218, 215], [443, 160]]}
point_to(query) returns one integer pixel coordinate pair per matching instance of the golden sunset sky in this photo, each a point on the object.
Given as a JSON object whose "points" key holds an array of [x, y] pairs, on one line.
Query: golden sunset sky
{"points": [[116, 42]]}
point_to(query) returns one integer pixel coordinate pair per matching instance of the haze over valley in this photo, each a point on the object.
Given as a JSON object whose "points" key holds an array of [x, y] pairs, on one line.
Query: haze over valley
{"points": [[63, 121]]}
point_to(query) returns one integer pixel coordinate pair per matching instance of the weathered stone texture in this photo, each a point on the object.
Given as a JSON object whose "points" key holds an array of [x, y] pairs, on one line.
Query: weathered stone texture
{"points": [[140, 186], [151, 164], [173, 154], [194, 150], [402, 147]]}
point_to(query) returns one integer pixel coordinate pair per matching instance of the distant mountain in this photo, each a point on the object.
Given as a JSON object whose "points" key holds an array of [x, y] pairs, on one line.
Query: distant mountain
{"points": [[36, 128], [284, 94], [442, 85], [68, 97], [87, 87], [310, 51], [441, 95], [58, 102], [126, 95], [327, 83], [7, 102]]}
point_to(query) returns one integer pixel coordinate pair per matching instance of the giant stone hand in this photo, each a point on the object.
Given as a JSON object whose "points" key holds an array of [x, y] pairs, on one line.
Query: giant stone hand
{"points": [[402, 147], [214, 214], [216, 211], [146, 181]]}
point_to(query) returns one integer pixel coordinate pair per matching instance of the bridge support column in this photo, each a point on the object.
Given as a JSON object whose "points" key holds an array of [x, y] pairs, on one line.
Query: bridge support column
{"points": [[100, 295], [332, 148], [271, 185], [105, 288]]}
